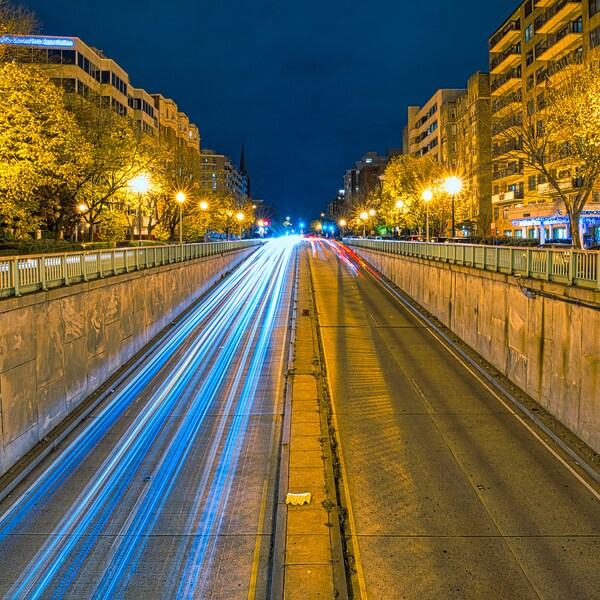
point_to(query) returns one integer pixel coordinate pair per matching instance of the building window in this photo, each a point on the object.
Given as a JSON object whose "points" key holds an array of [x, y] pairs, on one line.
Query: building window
{"points": [[528, 32], [528, 8], [529, 57], [594, 7], [595, 36], [529, 82], [532, 183]]}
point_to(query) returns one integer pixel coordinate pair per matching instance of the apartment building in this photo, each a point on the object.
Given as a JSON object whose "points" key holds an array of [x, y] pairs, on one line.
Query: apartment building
{"points": [[538, 40], [220, 174], [366, 174], [431, 129], [473, 151]]}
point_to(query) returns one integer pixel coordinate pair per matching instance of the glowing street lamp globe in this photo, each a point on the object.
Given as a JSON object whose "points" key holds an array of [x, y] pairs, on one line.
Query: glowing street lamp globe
{"points": [[364, 215], [453, 185], [427, 195], [204, 205], [140, 184]]}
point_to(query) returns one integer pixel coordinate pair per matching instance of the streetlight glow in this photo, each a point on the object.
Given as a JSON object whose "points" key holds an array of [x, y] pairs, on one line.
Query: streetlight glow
{"points": [[180, 197], [240, 217], [140, 184], [453, 185], [204, 205]]}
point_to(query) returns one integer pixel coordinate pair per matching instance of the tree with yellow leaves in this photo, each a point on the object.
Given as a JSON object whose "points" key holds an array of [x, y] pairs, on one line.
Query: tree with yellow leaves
{"points": [[40, 146]]}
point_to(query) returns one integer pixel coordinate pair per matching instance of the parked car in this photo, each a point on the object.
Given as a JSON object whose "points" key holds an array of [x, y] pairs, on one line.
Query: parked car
{"points": [[563, 244]]}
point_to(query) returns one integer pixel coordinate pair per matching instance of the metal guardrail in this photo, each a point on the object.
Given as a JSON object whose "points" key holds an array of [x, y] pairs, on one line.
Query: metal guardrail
{"points": [[24, 274], [579, 268]]}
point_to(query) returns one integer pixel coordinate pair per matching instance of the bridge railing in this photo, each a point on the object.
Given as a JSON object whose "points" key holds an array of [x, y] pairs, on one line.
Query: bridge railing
{"points": [[572, 267], [24, 274]]}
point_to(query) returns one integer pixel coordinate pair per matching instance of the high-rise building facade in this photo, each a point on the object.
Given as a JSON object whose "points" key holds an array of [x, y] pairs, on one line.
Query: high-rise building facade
{"points": [[534, 45], [473, 151], [431, 129]]}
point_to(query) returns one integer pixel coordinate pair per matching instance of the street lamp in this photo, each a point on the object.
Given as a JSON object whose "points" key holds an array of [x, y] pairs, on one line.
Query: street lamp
{"points": [[399, 207], [427, 196], [82, 208], [342, 223], [364, 216], [180, 197], [453, 186], [240, 217], [140, 185]]}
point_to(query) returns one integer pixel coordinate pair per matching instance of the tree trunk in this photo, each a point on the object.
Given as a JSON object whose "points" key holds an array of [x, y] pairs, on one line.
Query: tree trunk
{"points": [[576, 233]]}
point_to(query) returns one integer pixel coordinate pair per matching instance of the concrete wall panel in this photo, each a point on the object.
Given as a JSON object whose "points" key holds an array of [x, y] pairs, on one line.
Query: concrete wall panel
{"points": [[548, 346], [57, 347]]}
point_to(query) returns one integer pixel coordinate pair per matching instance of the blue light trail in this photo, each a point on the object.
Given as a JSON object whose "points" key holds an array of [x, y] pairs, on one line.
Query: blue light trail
{"points": [[226, 341]]}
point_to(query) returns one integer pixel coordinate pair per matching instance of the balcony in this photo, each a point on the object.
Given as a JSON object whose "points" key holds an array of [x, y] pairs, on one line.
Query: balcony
{"points": [[509, 58], [548, 188], [557, 14], [506, 81], [553, 45], [542, 3], [505, 36], [500, 104], [503, 198], [502, 125], [512, 170], [511, 146]]}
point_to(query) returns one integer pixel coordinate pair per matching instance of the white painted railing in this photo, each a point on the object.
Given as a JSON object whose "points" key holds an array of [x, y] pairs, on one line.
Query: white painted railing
{"points": [[24, 274], [573, 267]]}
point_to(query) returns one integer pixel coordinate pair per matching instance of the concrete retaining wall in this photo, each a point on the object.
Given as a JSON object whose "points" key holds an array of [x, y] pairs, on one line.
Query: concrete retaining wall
{"points": [[548, 347], [57, 347]]}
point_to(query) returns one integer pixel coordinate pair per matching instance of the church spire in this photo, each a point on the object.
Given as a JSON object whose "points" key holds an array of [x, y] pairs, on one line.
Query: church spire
{"points": [[244, 171]]}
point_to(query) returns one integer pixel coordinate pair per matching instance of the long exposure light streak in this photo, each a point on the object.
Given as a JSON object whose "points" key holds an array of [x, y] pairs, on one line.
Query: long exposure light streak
{"points": [[226, 341]]}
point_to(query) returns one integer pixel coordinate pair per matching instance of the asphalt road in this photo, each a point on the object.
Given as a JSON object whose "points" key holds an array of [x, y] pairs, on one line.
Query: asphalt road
{"points": [[450, 494], [165, 491]]}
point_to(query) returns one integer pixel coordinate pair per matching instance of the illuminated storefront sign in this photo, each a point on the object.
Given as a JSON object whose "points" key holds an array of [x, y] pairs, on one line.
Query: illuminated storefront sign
{"points": [[37, 41]]}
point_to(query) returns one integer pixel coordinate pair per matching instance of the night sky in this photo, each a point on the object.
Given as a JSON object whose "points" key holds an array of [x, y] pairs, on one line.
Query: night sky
{"points": [[308, 86]]}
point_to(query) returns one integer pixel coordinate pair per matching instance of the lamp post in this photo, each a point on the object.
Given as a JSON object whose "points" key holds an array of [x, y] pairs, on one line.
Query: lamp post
{"points": [[342, 223], [82, 208], [453, 185], [180, 197], [240, 217], [427, 195], [140, 185], [204, 208], [364, 216], [372, 212], [399, 207]]}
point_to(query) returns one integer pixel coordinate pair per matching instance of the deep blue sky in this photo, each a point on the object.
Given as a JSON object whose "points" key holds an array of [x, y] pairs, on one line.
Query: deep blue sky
{"points": [[310, 86]]}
